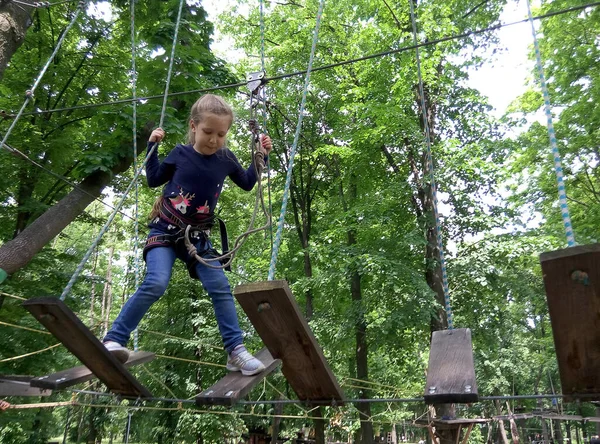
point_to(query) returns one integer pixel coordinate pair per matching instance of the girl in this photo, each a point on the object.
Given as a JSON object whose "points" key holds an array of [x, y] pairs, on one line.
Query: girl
{"points": [[194, 176]]}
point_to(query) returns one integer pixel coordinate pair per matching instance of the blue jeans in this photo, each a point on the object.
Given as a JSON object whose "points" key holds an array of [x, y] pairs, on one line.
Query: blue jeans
{"points": [[159, 265]]}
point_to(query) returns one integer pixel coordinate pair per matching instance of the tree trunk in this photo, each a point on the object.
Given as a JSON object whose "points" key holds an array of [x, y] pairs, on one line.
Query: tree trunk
{"points": [[501, 429], [514, 431], [319, 427], [278, 409], [17, 253], [365, 434], [15, 19]]}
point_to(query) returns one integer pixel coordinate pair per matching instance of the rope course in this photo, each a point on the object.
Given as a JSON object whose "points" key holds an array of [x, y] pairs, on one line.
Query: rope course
{"points": [[430, 172], [324, 67], [562, 195], [276, 243]]}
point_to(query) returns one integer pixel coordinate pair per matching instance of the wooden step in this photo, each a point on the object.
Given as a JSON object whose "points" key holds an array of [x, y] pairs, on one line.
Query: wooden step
{"points": [[77, 375], [572, 282], [11, 385], [451, 369], [59, 320], [234, 386], [273, 311]]}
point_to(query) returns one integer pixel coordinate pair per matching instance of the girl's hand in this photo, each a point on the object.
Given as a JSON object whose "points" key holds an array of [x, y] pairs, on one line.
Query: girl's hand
{"points": [[157, 135], [266, 144]]}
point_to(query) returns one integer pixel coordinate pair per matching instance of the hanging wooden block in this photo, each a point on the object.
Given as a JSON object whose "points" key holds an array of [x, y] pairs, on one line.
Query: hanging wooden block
{"points": [[451, 370], [59, 320], [234, 386], [77, 375], [572, 282], [273, 311]]}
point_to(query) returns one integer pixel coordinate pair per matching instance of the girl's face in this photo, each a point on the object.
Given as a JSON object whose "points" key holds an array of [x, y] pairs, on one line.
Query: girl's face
{"points": [[210, 133]]}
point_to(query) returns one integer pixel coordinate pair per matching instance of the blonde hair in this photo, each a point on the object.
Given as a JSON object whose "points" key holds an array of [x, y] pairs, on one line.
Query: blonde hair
{"points": [[155, 211], [208, 103]]}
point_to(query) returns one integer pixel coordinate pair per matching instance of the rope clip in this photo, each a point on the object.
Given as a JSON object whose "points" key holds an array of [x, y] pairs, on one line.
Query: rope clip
{"points": [[256, 80]]}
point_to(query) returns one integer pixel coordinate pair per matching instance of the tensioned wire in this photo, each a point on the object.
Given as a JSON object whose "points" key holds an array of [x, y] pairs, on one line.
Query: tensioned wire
{"points": [[562, 195], [288, 180], [29, 94], [136, 259], [87, 255], [430, 172], [331, 65], [263, 91]]}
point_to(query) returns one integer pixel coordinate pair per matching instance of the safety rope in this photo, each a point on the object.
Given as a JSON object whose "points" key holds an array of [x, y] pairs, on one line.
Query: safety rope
{"points": [[87, 255], [430, 171], [136, 255], [29, 93], [263, 90], [288, 179], [14, 358], [562, 195]]}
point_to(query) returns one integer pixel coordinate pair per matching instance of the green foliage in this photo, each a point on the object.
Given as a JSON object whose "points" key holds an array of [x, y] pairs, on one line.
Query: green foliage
{"points": [[358, 204]]}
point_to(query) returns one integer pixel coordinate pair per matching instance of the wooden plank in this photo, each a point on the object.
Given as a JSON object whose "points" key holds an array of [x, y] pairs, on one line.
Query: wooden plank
{"points": [[451, 370], [77, 375], [273, 311], [20, 387], [572, 282], [234, 385], [79, 340]]}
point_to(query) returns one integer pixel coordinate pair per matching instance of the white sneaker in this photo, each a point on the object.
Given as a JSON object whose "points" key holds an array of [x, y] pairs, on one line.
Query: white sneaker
{"points": [[118, 351], [240, 360]]}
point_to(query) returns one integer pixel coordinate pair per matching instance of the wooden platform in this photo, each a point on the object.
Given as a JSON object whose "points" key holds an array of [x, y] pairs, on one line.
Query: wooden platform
{"points": [[273, 311], [234, 385], [451, 370], [19, 386], [572, 282], [79, 340], [77, 375]]}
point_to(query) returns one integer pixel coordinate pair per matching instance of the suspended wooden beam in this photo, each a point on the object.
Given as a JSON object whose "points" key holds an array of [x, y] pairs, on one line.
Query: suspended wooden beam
{"points": [[234, 386], [451, 370], [19, 386], [77, 375], [79, 340], [572, 282], [273, 311]]}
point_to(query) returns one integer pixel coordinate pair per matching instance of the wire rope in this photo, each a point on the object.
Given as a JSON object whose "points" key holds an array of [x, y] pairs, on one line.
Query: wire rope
{"points": [[288, 179], [327, 66], [29, 94], [431, 173]]}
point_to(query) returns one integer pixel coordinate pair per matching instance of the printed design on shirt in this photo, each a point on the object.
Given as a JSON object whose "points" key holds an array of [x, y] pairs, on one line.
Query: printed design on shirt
{"points": [[203, 209], [182, 202]]}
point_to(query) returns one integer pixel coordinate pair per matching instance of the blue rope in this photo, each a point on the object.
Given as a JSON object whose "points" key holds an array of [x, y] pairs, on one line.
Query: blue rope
{"points": [[136, 258], [562, 195], [438, 229], [30, 92], [87, 255], [288, 180]]}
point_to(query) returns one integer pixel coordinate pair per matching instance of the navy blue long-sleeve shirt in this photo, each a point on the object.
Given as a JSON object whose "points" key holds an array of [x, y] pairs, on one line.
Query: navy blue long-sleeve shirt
{"points": [[194, 181]]}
